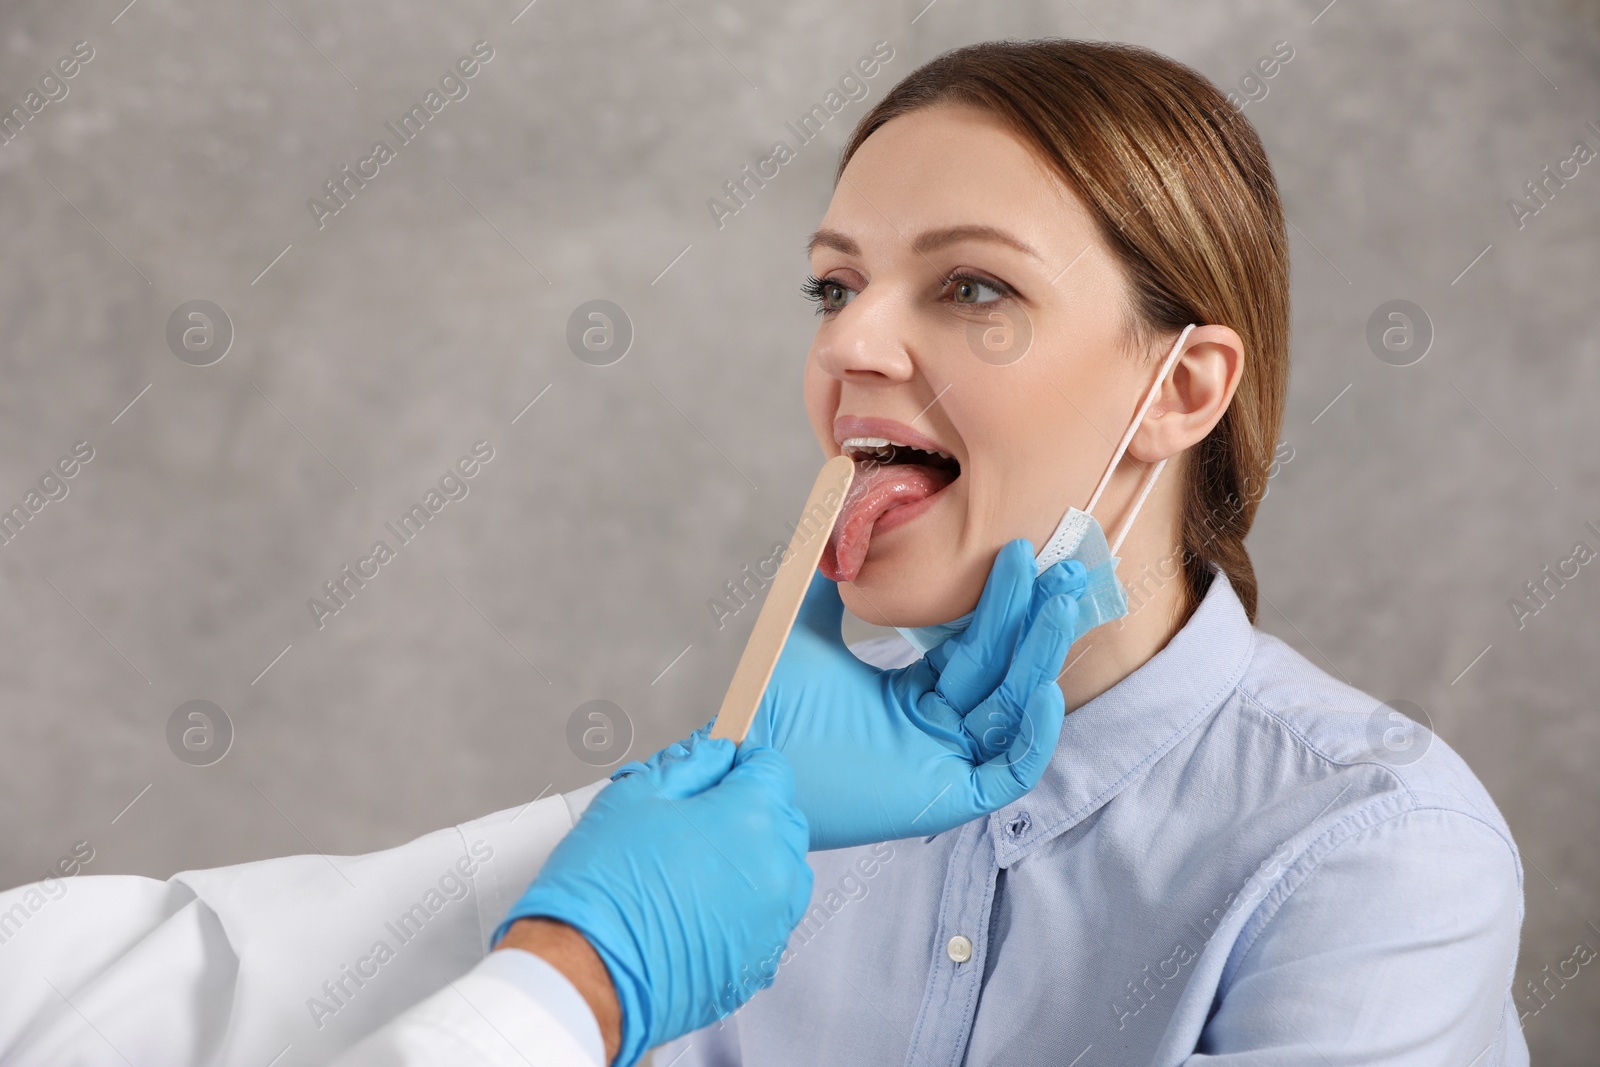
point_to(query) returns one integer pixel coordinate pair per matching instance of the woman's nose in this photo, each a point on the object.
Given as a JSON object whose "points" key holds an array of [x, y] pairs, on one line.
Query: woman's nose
{"points": [[865, 343]]}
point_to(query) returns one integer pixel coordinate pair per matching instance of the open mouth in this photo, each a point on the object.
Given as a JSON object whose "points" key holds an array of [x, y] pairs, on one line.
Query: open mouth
{"points": [[894, 483]]}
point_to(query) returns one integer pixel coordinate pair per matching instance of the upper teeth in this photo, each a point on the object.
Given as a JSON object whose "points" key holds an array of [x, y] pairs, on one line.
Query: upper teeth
{"points": [[883, 446]]}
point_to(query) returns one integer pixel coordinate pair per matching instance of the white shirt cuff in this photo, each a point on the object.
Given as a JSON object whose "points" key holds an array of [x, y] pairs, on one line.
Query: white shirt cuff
{"points": [[542, 982]]}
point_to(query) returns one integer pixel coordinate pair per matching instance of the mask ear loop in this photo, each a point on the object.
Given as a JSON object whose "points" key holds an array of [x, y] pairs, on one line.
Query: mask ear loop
{"points": [[1149, 479]]}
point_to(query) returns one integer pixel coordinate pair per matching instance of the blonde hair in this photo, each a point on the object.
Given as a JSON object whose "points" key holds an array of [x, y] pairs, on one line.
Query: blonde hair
{"points": [[1182, 193]]}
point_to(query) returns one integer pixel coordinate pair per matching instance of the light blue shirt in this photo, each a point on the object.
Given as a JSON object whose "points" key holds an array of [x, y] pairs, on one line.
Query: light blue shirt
{"points": [[1232, 859]]}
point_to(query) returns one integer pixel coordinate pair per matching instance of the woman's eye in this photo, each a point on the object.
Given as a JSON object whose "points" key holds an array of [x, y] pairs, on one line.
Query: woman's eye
{"points": [[829, 296], [970, 290]]}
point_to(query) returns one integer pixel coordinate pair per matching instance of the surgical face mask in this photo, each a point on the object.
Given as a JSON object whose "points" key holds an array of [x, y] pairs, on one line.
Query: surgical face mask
{"points": [[1079, 536]]}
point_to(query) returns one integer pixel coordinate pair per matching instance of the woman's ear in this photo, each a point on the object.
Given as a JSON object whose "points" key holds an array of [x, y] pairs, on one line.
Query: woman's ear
{"points": [[1192, 399]]}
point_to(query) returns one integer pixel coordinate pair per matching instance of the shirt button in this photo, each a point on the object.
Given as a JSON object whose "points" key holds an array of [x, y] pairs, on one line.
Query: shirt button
{"points": [[959, 949]]}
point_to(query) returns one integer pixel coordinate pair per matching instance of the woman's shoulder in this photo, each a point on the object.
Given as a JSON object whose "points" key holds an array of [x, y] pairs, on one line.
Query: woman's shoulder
{"points": [[1382, 756]]}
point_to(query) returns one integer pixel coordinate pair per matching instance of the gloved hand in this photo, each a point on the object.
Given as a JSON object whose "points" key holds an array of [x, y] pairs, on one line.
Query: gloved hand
{"points": [[687, 878], [881, 755]]}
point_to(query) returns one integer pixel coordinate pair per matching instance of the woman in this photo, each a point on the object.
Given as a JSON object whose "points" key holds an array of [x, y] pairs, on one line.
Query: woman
{"points": [[1232, 857]]}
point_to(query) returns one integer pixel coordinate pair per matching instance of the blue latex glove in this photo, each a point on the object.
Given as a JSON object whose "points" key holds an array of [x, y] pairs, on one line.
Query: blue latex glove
{"points": [[687, 878], [881, 755]]}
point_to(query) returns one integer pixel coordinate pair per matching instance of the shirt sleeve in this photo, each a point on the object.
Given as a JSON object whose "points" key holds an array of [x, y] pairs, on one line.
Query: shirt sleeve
{"points": [[1394, 947], [298, 957], [511, 1010]]}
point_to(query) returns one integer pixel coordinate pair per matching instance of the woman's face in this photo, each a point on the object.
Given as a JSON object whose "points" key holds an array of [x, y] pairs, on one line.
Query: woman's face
{"points": [[968, 308]]}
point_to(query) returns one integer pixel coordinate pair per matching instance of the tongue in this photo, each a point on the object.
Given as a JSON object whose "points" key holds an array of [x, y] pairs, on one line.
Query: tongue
{"points": [[877, 489]]}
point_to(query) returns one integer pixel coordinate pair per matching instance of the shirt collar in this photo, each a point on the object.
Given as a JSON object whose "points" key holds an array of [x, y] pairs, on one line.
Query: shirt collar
{"points": [[1111, 740]]}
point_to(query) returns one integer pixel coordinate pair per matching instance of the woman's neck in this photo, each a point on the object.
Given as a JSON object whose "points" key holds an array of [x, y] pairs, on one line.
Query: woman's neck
{"points": [[1152, 575]]}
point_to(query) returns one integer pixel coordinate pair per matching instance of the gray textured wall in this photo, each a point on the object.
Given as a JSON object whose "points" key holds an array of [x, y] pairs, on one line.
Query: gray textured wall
{"points": [[427, 313]]}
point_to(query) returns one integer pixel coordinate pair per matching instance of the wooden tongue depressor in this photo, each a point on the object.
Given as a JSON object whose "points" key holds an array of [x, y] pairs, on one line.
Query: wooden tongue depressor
{"points": [[788, 590]]}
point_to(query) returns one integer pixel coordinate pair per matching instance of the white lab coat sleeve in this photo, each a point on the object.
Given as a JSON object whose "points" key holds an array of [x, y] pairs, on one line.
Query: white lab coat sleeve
{"points": [[511, 1010], [296, 958]]}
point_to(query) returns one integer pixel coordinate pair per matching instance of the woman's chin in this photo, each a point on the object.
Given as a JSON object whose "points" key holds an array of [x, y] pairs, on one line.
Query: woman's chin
{"points": [[884, 596]]}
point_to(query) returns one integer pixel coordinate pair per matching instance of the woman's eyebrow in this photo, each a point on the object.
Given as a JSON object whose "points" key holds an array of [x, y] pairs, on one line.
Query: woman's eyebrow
{"points": [[833, 239], [925, 242]]}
